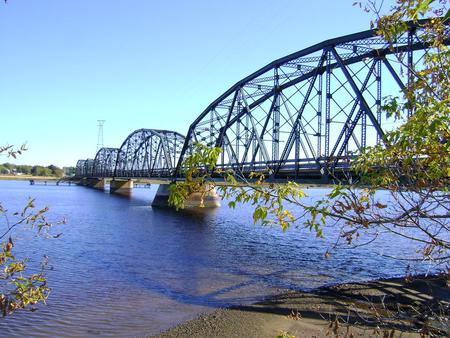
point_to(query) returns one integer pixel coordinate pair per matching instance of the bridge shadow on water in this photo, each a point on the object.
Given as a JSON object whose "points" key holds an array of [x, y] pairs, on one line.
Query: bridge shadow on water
{"points": [[395, 303], [362, 304], [239, 281], [189, 214], [219, 298], [253, 290]]}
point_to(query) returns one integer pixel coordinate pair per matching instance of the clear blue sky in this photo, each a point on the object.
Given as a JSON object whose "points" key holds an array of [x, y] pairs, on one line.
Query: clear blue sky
{"points": [[138, 64]]}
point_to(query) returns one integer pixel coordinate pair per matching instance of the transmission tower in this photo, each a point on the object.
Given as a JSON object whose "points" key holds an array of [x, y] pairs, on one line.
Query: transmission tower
{"points": [[100, 134]]}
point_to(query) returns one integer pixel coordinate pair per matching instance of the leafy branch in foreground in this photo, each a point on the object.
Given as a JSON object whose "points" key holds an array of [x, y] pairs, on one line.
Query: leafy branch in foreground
{"points": [[19, 289], [11, 151], [197, 169]]}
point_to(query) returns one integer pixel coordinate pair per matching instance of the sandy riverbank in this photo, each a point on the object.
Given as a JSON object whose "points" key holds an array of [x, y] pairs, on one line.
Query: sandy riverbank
{"points": [[313, 314]]}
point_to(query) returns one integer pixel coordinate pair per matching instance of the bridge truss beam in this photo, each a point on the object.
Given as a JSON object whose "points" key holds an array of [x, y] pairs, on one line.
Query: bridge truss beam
{"points": [[149, 153], [310, 113]]}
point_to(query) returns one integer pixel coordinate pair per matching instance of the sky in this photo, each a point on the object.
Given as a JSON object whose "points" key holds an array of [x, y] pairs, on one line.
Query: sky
{"points": [[138, 64]]}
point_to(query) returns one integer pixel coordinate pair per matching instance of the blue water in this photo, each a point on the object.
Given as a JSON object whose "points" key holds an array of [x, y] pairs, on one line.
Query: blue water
{"points": [[123, 269]]}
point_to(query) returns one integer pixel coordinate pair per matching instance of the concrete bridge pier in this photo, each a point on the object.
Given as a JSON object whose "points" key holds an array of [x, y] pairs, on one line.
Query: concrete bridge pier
{"points": [[96, 183], [123, 187], [83, 181], [194, 200]]}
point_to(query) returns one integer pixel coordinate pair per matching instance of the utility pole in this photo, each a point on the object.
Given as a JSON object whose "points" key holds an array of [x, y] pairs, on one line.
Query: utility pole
{"points": [[100, 134]]}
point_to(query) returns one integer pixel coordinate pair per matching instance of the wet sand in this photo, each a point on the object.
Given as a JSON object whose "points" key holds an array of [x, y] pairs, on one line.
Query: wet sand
{"points": [[347, 310]]}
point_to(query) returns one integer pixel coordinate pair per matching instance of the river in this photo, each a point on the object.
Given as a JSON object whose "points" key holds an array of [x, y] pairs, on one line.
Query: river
{"points": [[123, 269]]}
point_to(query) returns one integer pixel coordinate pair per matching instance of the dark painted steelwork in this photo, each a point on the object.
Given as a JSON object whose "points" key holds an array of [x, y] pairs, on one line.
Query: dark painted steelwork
{"points": [[88, 167], [306, 115], [310, 113], [149, 153], [105, 162], [84, 168], [79, 169]]}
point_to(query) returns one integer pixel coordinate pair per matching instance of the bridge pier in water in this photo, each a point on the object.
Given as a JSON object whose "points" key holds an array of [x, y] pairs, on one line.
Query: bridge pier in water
{"points": [[96, 183], [123, 187], [194, 200]]}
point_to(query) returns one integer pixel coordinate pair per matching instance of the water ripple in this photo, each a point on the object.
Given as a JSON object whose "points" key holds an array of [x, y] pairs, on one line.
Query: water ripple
{"points": [[124, 269]]}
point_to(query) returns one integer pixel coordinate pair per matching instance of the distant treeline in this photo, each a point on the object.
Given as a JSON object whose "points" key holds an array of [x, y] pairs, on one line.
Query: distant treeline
{"points": [[35, 170]]}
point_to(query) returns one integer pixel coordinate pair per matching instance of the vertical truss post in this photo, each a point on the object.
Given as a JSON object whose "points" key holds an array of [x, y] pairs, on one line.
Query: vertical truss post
{"points": [[410, 62], [187, 143], [297, 152], [254, 147], [276, 122], [347, 137], [319, 117], [211, 126], [174, 152], [149, 153], [165, 153], [247, 137], [238, 130], [327, 104], [247, 146], [220, 139], [146, 160], [222, 155], [378, 102], [157, 158], [152, 159], [363, 124], [230, 150], [363, 130]]}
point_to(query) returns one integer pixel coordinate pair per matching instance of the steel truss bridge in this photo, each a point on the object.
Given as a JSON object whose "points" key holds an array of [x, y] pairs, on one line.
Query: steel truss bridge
{"points": [[306, 115]]}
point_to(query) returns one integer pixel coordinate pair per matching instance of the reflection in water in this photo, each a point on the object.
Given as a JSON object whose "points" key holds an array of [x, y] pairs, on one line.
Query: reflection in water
{"points": [[125, 193], [123, 269], [192, 215]]}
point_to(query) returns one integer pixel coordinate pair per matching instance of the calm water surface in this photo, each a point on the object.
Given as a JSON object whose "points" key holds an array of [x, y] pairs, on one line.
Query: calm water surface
{"points": [[123, 269]]}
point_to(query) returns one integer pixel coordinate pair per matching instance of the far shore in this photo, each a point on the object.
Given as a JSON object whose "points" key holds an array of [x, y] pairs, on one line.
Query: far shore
{"points": [[29, 177], [139, 180], [346, 310]]}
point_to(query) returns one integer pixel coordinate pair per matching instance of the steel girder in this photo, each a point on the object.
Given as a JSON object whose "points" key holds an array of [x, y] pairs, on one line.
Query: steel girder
{"points": [[79, 169], [105, 162], [88, 167], [84, 168], [149, 153], [311, 111]]}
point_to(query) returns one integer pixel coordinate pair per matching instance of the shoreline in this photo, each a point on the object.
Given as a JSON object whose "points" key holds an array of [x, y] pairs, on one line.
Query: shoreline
{"points": [[338, 310], [29, 177]]}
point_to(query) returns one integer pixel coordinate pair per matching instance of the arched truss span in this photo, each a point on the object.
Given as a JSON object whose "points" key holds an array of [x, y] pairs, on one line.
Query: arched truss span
{"points": [[310, 112], [105, 162], [79, 169], [149, 153], [84, 168]]}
